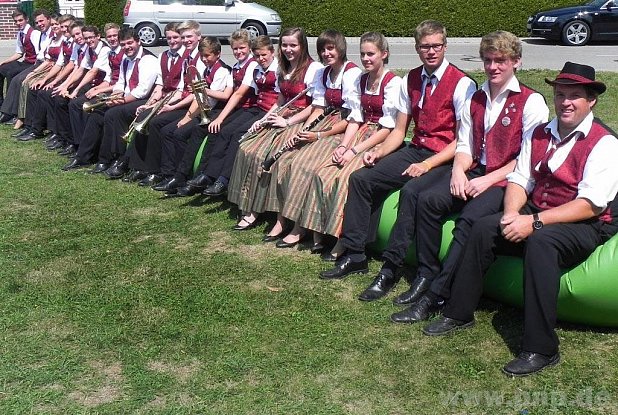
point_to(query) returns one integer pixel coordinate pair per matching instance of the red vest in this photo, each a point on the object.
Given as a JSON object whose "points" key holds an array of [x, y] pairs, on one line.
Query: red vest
{"points": [[557, 188], [209, 77], [134, 79], [290, 89], [80, 55], [100, 74], [436, 123], [115, 60], [188, 61], [502, 142], [267, 96], [29, 49], [334, 97], [54, 52], [238, 74], [67, 49], [372, 104], [171, 77]]}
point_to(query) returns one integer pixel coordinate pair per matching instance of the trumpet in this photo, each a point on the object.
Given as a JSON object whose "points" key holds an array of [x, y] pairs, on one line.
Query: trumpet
{"points": [[248, 135], [140, 122], [199, 87], [100, 100]]}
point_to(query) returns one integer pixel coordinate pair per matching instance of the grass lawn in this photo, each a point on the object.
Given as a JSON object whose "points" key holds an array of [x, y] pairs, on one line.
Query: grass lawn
{"points": [[114, 301]]}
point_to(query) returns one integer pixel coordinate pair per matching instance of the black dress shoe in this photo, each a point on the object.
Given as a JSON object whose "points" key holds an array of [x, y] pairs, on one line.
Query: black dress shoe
{"points": [[381, 285], [75, 164], [5, 118], [30, 137], [55, 145], [99, 168], [150, 180], [215, 189], [528, 363], [186, 191], [21, 132], [271, 238], [328, 257], [50, 136], [446, 325], [246, 227], [12, 121], [344, 267], [117, 170], [68, 151], [168, 186], [317, 248], [201, 181], [418, 287], [282, 244], [419, 311], [134, 176]]}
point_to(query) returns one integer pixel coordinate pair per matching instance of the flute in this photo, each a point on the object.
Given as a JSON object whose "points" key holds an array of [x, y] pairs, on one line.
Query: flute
{"points": [[267, 164], [277, 111]]}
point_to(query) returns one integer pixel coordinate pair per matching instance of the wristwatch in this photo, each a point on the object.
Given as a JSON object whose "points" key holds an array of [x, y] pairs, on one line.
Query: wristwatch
{"points": [[536, 224]]}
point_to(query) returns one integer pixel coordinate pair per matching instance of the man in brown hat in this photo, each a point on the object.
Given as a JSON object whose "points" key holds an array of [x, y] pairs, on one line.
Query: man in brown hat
{"points": [[558, 207]]}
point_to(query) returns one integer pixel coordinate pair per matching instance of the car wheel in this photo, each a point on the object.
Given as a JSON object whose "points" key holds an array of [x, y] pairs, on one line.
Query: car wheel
{"points": [[255, 29], [576, 33], [148, 34]]}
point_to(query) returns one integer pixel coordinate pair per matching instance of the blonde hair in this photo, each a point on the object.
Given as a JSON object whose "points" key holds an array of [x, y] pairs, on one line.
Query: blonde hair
{"points": [[241, 35], [501, 42], [378, 40], [190, 25]]}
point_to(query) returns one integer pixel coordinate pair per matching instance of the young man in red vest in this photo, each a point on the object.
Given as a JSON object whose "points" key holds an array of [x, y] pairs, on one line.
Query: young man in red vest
{"points": [[434, 96], [496, 120], [556, 212], [27, 48], [104, 129]]}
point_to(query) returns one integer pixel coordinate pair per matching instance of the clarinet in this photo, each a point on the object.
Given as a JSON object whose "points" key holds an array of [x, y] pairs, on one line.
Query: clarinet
{"points": [[267, 164], [246, 136]]}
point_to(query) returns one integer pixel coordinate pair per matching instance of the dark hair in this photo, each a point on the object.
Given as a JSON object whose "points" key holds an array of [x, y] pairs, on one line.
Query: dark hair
{"points": [[91, 29], [303, 60], [128, 33], [210, 43], [76, 23], [262, 41], [172, 27], [39, 12], [332, 37], [19, 12]]}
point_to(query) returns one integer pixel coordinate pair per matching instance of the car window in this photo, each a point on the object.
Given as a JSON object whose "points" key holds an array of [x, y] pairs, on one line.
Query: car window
{"points": [[210, 2]]}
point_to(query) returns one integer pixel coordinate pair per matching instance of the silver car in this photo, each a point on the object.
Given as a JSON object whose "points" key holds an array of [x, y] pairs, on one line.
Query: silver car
{"points": [[216, 17]]}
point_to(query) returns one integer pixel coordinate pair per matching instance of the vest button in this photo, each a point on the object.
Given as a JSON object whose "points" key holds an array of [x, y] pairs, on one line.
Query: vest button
{"points": [[546, 185], [544, 195], [422, 140], [544, 204]]}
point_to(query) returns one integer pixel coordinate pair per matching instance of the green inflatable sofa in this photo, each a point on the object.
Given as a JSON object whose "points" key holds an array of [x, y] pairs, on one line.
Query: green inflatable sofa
{"points": [[588, 292]]}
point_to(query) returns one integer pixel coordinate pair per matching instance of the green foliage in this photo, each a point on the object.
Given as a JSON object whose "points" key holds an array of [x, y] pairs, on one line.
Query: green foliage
{"points": [[49, 5], [400, 17], [99, 12]]}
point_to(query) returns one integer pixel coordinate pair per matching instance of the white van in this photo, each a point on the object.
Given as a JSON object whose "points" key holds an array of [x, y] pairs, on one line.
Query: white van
{"points": [[216, 17]]}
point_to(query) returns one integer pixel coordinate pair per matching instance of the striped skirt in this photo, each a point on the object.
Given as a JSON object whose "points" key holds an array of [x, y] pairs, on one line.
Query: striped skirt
{"points": [[296, 172], [323, 210], [248, 187]]}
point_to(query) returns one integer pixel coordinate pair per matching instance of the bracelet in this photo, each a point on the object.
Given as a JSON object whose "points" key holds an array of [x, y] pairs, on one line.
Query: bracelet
{"points": [[426, 165], [341, 145], [319, 135], [353, 150]]}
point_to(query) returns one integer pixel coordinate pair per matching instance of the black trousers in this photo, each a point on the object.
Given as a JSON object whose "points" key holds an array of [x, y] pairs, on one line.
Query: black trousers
{"points": [[222, 147], [8, 71], [545, 252], [11, 103], [40, 113], [431, 213], [147, 152], [369, 187], [77, 117], [116, 123]]}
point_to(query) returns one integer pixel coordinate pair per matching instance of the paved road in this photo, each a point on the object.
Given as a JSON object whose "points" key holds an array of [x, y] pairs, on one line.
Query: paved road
{"points": [[463, 52]]}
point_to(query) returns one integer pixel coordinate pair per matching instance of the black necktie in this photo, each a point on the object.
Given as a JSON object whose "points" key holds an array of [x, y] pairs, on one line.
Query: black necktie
{"points": [[428, 87]]}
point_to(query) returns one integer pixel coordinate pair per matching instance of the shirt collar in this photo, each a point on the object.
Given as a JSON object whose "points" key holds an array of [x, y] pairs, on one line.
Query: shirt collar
{"points": [[583, 127], [511, 86], [438, 73]]}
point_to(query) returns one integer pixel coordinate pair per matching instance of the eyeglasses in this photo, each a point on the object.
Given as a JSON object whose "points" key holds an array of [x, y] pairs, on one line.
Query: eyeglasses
{"points": [[437, 47], [89, 37]]}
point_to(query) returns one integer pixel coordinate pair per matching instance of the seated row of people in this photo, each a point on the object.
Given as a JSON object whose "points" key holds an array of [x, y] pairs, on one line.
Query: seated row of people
{"points": [[322, 145]]}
